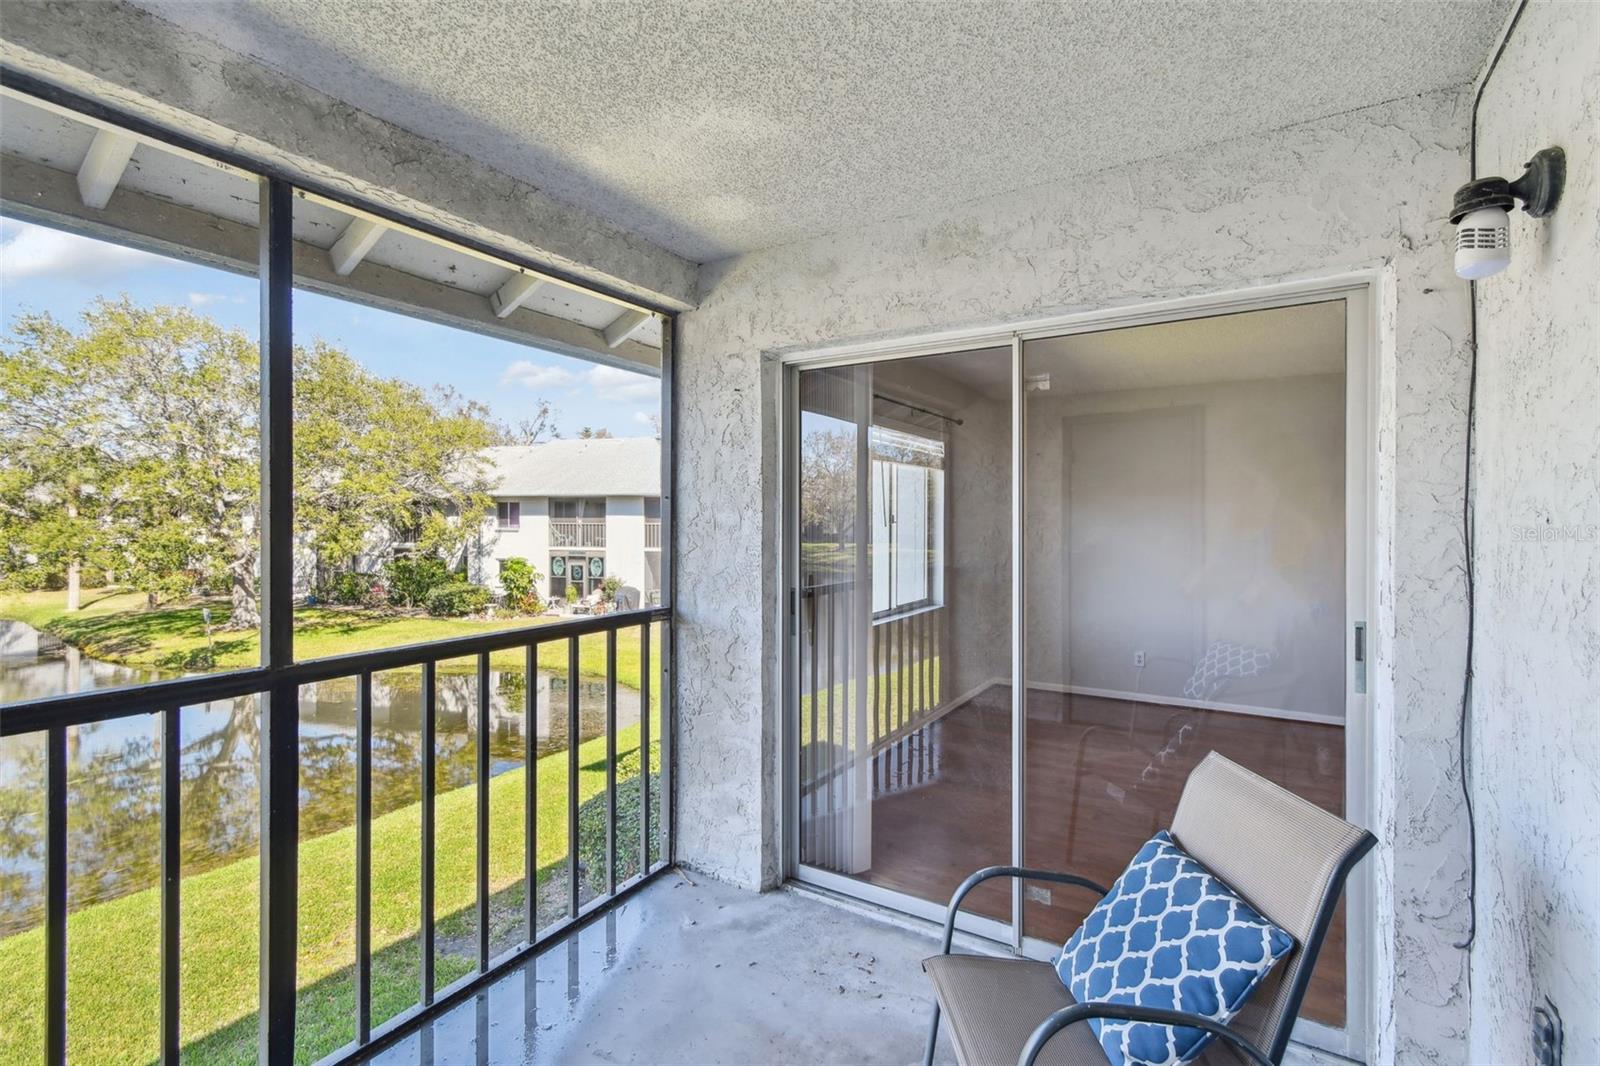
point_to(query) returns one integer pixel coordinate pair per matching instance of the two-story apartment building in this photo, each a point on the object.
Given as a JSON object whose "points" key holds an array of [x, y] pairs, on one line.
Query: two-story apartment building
{"points": [[580, 511]]}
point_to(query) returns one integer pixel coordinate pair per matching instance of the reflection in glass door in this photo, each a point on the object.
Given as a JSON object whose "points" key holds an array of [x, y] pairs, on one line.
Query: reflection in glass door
{"points": [[903, 620], [1186, 584]]}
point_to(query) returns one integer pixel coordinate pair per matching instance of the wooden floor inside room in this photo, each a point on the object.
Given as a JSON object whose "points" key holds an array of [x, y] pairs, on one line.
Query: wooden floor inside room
{"points": [[1103, 776]]}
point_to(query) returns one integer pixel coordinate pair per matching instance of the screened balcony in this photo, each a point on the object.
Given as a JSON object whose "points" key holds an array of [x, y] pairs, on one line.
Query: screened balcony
{"points": [[1048, 397]]}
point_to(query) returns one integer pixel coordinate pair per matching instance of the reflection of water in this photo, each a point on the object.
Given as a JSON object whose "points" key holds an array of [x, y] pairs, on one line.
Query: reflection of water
{"points": [[114, 767]]}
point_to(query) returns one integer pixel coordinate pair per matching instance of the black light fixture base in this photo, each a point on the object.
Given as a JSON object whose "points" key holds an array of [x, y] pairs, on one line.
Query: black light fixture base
{"points": [[1539, 188], [1480, 194]]}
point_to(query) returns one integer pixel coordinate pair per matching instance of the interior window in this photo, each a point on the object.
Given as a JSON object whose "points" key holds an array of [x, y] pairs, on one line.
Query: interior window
{"points": [[907, 518]]}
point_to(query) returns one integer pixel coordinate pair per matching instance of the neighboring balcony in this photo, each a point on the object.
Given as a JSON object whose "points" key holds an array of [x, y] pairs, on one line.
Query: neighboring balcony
{"points": [[652, 533], [578, 533]]}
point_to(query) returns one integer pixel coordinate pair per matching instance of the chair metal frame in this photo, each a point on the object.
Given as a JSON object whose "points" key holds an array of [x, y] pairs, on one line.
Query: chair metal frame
{"points": [[1079, 1012]]}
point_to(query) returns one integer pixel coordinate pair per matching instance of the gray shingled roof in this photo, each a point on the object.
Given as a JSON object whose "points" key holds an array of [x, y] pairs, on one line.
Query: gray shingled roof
{"points": [[618, 466]]}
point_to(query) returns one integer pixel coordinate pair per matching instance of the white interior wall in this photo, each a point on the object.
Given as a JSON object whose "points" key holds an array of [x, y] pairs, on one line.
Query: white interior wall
{"points": [[1229, 527], [1362, 190], [1536, 704]]}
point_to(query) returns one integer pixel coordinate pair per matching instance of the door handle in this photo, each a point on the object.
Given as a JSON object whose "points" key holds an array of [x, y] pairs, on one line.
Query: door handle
{"points": [[1360, 658]]}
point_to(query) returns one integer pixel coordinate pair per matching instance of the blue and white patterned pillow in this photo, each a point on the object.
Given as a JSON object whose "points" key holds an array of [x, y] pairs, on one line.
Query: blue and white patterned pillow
{"points": [[1170, 935]]}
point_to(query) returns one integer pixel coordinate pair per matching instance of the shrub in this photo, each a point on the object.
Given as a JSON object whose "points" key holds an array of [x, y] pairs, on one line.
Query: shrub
{"points": [[411, 580], [572, 594], [609, 587], [593, 821], [518, 577], [351, 588], [457, 598]]}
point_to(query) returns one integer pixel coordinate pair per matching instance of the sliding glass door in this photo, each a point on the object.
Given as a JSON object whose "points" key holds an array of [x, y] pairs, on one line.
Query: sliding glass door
{"points": [[1187, 502], [1185, 561], [902, 615]]}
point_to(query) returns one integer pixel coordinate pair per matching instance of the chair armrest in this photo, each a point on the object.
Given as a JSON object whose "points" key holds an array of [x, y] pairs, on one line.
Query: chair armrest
{"points": [[1079, 1012], [1006, 871]]}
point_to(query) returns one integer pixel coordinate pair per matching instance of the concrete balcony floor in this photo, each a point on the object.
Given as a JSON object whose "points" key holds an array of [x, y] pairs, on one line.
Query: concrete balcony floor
{"points": [[692, 971]]}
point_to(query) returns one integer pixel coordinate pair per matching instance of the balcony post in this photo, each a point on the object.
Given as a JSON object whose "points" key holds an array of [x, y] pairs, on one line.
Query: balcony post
{"points": [[280, 725]]}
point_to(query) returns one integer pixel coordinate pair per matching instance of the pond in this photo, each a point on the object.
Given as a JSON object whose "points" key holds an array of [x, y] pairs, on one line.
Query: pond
{"points": [[114, 767]]}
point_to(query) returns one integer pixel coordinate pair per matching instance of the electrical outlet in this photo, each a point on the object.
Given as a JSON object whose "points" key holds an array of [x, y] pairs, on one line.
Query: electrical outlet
{"points": [[1039, 894], [1547, 1035], [1138, 660]]}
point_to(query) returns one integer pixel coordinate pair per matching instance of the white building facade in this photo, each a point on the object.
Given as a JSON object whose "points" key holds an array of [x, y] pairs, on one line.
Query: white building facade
{"points": [[579, 511]]}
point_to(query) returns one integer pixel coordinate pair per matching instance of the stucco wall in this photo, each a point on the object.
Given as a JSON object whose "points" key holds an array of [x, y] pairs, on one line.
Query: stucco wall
{"points": [[1362, 190], [1536, 706]]}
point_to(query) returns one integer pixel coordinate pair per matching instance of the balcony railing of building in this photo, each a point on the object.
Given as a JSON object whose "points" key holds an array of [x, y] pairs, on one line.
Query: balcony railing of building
{"points": [[577, 532], [652, 533], [278, 692]]}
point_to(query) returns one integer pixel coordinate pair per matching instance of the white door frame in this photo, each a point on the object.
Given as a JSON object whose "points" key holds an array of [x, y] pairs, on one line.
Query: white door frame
{"points": [[1359, 290]]}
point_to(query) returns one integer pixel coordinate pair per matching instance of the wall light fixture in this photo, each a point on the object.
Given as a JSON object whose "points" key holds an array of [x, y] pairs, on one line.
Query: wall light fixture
{"points": [[1483, 226]]}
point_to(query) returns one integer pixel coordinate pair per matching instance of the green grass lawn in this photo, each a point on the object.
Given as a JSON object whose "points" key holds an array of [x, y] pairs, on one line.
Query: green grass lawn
{"points": [[114, 965], [117, 627], [825, 561]]}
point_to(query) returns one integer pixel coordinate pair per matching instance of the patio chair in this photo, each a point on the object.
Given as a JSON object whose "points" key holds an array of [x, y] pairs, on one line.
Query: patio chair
{"points": [[1284, 856]]}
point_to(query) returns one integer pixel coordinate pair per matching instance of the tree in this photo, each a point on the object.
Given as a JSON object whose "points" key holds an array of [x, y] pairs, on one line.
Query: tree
{"points": [[540, 426], [121, 447], [51, 476], [186, 440], [134, 445], [587, 433], [828, 485], [518, 578], [384, 454]]}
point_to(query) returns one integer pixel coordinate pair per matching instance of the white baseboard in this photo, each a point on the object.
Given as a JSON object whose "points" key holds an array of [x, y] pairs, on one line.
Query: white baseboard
{"points": [[938, 712], [1180, 701], [1148, 697], [967, 697]]}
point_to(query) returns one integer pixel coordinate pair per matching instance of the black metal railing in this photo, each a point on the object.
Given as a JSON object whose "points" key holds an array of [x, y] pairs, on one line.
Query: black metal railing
{"points": [[278, 690]]}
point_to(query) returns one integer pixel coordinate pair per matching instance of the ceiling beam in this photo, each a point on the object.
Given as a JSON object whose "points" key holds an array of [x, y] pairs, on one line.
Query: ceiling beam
{"points": [[513, 294], [103, 166], [36, 193], [624, 326], [354, 244]]}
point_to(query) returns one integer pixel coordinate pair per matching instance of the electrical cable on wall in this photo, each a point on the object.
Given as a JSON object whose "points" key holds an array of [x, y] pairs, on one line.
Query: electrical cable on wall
{"points": [[1464, 725]]}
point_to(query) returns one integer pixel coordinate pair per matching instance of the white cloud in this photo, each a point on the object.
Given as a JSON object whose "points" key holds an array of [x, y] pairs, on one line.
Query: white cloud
{"points": [[201, 299], [30, 251], [615, 384], [645, 418], [534, 376]]}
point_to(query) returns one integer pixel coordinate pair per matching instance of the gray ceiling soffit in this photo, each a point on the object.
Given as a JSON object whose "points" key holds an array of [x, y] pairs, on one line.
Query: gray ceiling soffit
{"points": [[147, 66], [715, 129]]}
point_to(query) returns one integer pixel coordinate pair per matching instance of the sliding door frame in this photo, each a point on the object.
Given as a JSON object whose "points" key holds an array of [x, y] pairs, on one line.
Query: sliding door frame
{"points": [[1359, 291]]}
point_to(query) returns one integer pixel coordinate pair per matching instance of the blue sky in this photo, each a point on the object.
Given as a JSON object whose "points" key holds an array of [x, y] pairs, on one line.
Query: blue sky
{"points": [[43, 269]]}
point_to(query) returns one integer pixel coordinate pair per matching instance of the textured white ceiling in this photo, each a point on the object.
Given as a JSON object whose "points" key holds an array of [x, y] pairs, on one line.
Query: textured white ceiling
{"points": [[715, 128], [1282, 342]]}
